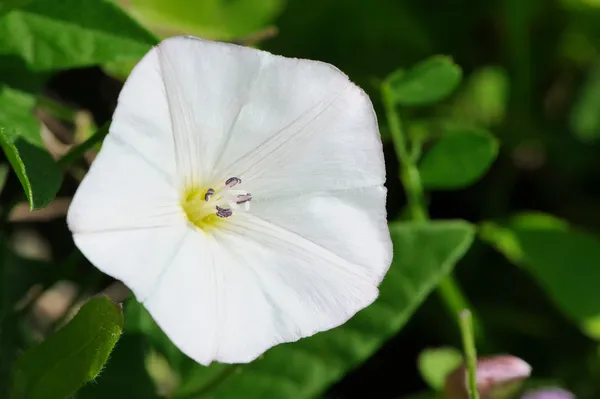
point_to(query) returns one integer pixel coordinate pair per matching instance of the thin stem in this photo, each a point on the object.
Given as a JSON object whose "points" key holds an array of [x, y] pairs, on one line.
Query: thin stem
{"points": [[410, 177], [468, 338]]}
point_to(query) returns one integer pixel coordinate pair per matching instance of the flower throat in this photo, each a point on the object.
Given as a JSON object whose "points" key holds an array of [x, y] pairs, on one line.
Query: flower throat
{"points": [[207, 208]]}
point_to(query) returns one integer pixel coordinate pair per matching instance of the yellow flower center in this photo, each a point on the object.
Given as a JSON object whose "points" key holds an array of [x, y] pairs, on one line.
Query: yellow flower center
{"points": [[207, 208]]}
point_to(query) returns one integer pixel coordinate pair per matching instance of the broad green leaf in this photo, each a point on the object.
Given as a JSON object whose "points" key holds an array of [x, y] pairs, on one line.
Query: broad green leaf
{"points": [[458, 159], [427, 253], [562, 259], [74, 355], [427, 82], [126, 373], [585, 116], [214, 19], [50, 34], [436, 364], [37, 171]]}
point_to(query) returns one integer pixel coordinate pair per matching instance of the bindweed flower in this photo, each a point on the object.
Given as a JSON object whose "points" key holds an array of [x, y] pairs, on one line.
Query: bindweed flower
{"points": [[240, 196], [498, 377], [550, 393]]}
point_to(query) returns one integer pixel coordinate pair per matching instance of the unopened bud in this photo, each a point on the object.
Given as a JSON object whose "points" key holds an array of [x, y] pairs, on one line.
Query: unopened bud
{"points": [[498, 377], [553, 393]]}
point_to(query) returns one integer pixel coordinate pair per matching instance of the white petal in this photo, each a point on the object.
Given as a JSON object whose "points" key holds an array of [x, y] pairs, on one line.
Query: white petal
{"points": [[142, 120], [126, 218], [352, 224], [232, 295], [122, 191], [285, 126], [207, 84]]}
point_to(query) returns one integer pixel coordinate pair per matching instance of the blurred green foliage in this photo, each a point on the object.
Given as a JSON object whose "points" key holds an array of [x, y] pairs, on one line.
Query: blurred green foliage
{"points": [[492, 110]]}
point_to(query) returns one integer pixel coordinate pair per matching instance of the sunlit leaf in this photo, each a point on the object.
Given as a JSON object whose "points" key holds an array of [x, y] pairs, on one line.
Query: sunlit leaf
{"points": [[74, 355], [458, 159], [427, 82], [564, 261], [436, 364], [427, 253], [51, 34], [214, 19]]}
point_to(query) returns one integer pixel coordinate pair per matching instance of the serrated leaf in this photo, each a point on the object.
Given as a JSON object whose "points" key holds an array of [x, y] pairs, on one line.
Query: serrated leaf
{"points": [[458, 159], [426, 254], [51, 34], [564, 261], [38, 173], [435, 365], [427, 82], [74, 355]]}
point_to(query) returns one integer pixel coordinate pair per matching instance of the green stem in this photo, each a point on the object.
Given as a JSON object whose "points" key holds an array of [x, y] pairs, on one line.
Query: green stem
{"points": [[468, 338], [448, 289], [409, 174]]}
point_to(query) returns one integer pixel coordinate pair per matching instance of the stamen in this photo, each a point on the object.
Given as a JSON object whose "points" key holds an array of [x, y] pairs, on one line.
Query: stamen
{"points": [[209, 194], [243, 198], [223, 212], [232, 181]]}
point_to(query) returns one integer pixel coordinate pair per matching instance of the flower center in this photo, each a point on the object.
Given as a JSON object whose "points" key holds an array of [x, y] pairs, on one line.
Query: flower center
{"points": [[208, 207]]}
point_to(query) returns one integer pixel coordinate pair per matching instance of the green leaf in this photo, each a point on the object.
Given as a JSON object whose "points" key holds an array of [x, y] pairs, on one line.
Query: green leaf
{"points": [[427, 82], [214, 19], [562, 259], [426, 254], [50, 34], [458, 159], [74, 355], [37, 171], [436, 364], [585, 116]]}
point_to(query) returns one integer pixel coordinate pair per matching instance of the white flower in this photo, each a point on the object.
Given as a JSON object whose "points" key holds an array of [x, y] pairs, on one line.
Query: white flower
{"points": [[240, 196]]}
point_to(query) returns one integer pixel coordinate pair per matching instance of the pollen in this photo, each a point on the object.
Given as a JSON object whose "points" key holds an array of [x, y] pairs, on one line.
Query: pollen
{"points": [[209, 207]]}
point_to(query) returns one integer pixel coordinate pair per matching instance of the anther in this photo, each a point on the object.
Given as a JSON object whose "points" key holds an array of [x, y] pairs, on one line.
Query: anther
{"points": [[208, 194], [224, 212], [232, 181], [243, 198]]}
